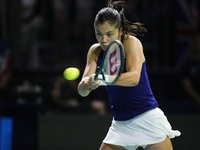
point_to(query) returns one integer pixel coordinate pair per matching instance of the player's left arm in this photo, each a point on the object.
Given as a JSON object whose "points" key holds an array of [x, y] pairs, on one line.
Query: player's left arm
{"points": [[86, 85], [134, 59]]}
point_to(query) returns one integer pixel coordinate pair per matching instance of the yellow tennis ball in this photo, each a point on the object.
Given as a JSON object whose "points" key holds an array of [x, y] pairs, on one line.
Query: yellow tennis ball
{"points": [[71, 73]]}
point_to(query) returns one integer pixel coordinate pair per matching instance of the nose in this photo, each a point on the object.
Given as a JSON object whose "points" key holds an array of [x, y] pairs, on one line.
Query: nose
{"points": [[103, 39]]}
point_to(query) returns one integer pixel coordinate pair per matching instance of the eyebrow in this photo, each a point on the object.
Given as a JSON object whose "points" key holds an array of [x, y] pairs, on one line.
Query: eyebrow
{"points": [[106, 32]]}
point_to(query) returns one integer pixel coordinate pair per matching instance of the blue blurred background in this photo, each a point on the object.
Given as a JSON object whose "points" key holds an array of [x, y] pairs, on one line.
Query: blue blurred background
{"points": [[41, 38]]}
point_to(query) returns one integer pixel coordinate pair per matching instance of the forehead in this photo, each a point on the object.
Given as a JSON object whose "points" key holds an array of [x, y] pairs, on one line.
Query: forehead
{"points": [[105, 27]]}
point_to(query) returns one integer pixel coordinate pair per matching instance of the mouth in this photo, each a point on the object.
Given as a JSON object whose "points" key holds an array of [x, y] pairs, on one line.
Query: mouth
{"points": [[104, 46]]}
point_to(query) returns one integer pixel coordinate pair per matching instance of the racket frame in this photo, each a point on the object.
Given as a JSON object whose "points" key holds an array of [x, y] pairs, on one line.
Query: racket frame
{"points": [[101, 68]]}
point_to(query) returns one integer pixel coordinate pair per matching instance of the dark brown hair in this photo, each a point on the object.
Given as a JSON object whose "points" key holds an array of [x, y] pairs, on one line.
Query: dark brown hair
{"points": [[114, 15]]}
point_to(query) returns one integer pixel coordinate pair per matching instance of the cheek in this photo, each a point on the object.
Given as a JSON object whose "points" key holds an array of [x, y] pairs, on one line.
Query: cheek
{"points": [[116, 37], [98, 38]]}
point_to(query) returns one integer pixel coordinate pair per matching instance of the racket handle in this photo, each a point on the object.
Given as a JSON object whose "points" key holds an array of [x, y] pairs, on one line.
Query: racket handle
{"points": [[93, 79], [99, 77], [101, 83]]}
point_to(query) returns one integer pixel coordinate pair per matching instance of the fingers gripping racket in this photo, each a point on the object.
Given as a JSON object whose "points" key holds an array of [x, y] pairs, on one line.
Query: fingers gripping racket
{"points": [[112, 64]]}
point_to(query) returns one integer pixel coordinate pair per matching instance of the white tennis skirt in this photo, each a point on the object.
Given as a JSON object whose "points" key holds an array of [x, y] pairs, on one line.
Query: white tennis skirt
{"points": [[148, 128]]}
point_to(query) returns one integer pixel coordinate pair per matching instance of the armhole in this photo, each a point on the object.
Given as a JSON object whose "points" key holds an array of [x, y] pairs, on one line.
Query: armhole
{"points": [[100, 58]]}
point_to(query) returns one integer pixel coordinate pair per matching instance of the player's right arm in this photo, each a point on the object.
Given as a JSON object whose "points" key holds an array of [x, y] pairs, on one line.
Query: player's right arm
{"points": [[84, 86]]}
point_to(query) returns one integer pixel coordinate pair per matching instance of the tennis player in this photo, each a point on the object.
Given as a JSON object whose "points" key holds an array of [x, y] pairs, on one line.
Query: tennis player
{"points": [[137, 121]]}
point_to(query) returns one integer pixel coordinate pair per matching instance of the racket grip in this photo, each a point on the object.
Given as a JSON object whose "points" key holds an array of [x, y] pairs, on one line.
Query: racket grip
{"points": [[93, 79], [99, 77], [101, 83]]}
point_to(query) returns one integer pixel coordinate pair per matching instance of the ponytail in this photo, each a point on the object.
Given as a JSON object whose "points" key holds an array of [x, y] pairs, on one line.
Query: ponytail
{"points": [[128, 27]]}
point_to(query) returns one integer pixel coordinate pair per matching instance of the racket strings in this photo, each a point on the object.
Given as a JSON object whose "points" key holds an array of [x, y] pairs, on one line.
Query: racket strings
{"points": [[113, 63]]}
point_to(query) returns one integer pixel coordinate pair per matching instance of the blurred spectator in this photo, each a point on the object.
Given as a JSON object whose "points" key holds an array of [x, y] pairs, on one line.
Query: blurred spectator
{"points": [[100, 102], [99, 107], [64, 94], [34, 30], [190, 75], [69, 20], [5, 86], [61, 23], [29, 92], [5, 71], [65, 99]]}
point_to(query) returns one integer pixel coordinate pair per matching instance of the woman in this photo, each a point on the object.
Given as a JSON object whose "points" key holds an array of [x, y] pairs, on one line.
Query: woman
{"points": [[137, 119]]}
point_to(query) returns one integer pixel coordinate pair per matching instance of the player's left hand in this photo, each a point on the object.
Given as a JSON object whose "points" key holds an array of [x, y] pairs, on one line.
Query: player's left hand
{"points": [[93, 85]]}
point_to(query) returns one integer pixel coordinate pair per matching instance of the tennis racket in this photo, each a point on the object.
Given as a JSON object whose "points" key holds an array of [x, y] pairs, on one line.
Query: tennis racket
{"points": [[112, 64]]}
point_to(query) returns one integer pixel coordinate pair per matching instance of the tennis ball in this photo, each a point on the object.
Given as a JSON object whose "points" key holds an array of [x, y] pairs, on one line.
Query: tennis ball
{"points": [[71, 73]]}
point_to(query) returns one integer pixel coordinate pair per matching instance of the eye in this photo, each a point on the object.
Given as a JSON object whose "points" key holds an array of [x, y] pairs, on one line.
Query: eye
{"points": [[109, 35], [98, 33]]}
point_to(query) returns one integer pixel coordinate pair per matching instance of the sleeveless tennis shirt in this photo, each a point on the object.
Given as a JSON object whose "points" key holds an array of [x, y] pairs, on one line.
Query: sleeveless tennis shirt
{"points": [[129, 102]]}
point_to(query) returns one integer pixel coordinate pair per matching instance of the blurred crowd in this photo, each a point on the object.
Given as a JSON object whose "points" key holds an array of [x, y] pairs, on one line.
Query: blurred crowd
{"points": [[45, 37]]}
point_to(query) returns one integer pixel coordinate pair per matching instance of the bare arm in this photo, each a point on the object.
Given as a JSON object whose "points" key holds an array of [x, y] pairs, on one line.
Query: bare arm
{"points": [[86, 85], [134, 60]]}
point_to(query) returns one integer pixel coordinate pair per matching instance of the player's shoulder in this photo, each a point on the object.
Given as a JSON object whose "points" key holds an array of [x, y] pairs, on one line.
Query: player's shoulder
{"points": [[94, 51], [131, 39], [95, 47]]}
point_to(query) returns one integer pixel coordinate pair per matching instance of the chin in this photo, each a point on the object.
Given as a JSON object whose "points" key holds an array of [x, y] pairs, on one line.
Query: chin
{"points": [[103, 48]]}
